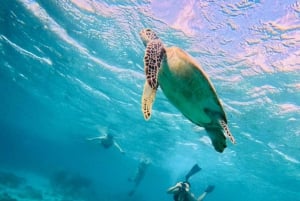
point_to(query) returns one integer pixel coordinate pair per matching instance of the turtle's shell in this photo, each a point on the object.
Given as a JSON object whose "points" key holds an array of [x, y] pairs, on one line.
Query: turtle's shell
{"points": [[189, 89]]}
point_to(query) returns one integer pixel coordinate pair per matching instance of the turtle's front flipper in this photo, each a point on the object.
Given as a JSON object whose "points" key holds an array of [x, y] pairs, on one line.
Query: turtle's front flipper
{"points": [[153, 56], [227, 132], [147, 100]]}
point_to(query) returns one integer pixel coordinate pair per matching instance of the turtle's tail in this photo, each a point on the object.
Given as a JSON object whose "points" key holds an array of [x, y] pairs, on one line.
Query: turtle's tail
{"points": [[227, 132]]}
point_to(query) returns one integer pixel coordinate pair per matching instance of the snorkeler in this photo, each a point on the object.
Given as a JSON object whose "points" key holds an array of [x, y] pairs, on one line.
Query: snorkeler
{"points": [[182, 191], [107, 140], [139, 175]]}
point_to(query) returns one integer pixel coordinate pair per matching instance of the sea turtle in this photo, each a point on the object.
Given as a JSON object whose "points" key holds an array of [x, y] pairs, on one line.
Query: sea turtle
{"points": [[186, 85]]}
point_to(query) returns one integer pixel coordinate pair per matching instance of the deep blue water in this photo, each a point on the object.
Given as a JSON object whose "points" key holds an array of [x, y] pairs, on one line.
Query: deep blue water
{"points": [[73, 67]]}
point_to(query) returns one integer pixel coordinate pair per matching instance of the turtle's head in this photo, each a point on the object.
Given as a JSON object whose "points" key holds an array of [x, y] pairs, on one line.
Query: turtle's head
{"points": [[147, 35]]}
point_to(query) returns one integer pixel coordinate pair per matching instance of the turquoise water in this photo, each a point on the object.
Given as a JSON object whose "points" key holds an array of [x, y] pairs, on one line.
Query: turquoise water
{"points": [[71, 68]]}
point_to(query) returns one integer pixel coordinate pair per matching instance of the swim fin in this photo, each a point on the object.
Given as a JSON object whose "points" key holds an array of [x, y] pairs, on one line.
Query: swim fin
{"points": [[193, 171]]}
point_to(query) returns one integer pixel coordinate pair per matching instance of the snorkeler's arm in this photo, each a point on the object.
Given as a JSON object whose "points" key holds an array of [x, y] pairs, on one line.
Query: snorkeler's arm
{"points": [[96, 138], [209, 189], [175, 188], [118, 146], [202, 196]]}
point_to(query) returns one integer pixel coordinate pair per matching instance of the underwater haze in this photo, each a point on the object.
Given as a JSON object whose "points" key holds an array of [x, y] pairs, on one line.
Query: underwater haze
{"points": [[73, 69]]}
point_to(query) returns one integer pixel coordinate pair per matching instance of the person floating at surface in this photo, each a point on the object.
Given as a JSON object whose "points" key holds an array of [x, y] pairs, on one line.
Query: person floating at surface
{"points": [[107, 140], [181, 190], [139, 175]]}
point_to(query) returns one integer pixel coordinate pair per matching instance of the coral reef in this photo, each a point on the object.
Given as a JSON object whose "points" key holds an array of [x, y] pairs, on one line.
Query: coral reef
{"points": [[10, 180], [70, 185]]}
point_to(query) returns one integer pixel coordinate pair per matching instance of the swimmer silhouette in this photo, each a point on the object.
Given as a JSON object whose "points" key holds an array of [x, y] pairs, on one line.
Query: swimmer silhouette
{"points": [[139, 174], [107, 140]]}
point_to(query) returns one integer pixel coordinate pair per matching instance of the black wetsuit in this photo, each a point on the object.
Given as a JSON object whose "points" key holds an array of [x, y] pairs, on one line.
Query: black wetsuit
{"points": [[182, 196]]}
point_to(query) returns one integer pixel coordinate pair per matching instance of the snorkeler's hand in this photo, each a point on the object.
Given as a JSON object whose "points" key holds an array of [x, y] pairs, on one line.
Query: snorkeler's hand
{"points": [[210, 188]]}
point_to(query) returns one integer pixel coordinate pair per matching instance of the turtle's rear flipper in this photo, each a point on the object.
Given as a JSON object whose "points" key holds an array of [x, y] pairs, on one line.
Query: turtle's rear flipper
{"points": [[147, 100]]}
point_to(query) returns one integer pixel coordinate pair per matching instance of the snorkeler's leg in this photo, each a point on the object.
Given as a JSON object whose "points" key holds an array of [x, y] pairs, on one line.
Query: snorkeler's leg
{"points": [[136, 184], [131, 192]]}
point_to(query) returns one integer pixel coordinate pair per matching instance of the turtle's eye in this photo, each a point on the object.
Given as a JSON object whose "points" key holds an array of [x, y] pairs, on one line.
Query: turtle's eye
{"points": [[149, 34]]}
